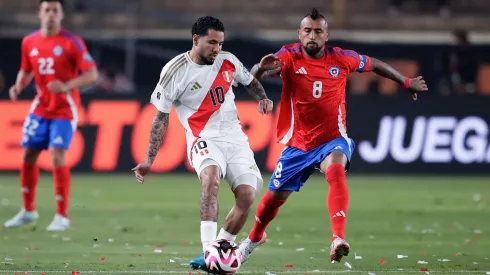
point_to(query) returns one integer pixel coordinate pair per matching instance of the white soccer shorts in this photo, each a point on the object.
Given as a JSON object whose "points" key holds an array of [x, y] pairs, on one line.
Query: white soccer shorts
{"points": [[234, 161]]}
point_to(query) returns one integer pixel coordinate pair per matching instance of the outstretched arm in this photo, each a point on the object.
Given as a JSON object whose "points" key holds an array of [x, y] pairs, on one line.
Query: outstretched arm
{"points": [[261, 73], [269, 65], [415, 85], [381, 68]]}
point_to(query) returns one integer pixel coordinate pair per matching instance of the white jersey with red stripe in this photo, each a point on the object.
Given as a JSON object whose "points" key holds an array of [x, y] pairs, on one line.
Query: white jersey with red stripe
{"points": [[203, 97]]}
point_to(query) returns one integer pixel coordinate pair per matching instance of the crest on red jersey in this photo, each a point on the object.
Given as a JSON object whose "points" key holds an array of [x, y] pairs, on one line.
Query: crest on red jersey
{"points": [[228, 76], [334, 71], [58, 50]]}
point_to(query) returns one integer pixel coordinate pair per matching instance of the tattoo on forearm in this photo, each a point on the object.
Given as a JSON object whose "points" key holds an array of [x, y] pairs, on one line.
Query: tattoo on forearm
{"points": [[255, 71], [385, 70], [256, 90], [157, 134]]}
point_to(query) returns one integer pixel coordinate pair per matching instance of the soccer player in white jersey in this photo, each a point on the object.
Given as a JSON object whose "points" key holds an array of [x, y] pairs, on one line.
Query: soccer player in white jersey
{"points": [[198, 83]]}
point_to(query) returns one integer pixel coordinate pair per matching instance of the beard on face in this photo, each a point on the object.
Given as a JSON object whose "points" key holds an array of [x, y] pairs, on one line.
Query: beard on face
{"points": [[312, 48], [206, 60]]}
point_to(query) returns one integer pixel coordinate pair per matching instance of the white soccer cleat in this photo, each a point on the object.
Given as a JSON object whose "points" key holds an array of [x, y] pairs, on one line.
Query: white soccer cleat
{"points": [[59, 223], [247, 246], [23, 217], [338, 249]]}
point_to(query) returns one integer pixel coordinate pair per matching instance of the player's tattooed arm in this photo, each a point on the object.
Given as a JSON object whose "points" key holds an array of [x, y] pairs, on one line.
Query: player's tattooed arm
{"points": [[157, 135], [261, 73], [381, 68], [256, 90]]}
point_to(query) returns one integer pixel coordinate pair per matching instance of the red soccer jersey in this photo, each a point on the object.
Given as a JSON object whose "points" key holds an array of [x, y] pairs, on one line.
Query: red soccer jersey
{"points": [[58, 57], [312, 107]]}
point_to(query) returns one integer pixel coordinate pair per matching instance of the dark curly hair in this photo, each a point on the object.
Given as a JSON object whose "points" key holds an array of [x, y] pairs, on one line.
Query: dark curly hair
{"points": [[59, 1], [315, 14], [205, 23]]}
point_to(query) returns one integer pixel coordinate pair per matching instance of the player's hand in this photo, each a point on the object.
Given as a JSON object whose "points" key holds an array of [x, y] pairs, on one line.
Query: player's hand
{"points": [[57, 86], [417, 85], [141, 170], [13, 93], [270, 62], [265, 106]]}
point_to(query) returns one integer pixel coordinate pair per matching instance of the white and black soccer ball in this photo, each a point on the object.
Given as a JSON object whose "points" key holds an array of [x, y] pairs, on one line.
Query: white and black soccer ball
{"points": [[223, 257]]}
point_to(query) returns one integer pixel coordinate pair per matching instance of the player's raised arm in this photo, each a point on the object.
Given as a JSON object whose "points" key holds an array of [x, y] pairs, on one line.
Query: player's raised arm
{"points": [[269, 65], [414, 85]]}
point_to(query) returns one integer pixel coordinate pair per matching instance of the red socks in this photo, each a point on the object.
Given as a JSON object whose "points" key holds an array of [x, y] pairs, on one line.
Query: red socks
{"points": [[62, 189], [266, 211], [337, 202], [337, 199], [29, 177]]}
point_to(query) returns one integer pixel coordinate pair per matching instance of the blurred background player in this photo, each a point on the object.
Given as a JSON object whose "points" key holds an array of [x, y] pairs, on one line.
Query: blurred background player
{"points": [[312, 123], [53, 57], [199, 84]]}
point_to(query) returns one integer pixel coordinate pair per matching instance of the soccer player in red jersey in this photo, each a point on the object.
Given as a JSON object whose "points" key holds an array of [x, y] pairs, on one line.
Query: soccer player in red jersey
{"points": [[53, 57], [312, 124]]}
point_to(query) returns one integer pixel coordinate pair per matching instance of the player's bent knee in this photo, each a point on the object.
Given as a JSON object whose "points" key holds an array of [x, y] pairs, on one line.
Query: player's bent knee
{"points": [[245, 196], [281, 195], [58, 156], [251, 180], [332, 158]]}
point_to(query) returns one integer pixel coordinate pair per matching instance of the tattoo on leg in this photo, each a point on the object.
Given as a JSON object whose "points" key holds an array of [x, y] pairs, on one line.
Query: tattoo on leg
{"points": [[209, 207]]}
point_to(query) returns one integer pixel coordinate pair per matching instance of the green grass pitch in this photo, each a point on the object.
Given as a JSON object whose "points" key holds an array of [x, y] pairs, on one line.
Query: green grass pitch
{"points": [[121, 227]]}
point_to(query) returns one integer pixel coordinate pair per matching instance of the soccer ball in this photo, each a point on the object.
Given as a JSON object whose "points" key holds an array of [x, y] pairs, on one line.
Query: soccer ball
{"points": [[223, 257]]}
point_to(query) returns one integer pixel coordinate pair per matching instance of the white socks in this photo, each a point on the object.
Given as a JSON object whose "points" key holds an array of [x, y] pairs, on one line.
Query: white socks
{"points": [[208, 233], [223, 234]]}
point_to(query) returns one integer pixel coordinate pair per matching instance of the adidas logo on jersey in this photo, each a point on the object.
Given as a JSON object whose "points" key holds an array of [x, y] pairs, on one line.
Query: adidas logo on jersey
{"points": [[301, 71], [34, 52], [196, 86]]}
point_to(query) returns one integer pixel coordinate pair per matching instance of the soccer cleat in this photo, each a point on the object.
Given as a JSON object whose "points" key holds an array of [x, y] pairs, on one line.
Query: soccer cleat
{"points": [[23, 217], [199, 263], [59, 223], [247, 246], [338, 249]]}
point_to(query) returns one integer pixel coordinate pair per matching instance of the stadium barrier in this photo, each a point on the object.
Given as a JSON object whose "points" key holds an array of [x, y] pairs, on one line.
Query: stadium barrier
{"points": [[392, 135]]}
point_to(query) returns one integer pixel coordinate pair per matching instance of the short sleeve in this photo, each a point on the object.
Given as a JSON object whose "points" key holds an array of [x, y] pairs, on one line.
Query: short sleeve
{"points": [[242, 74], [165, 92], [25, 63], [83, 58], [282, 54], [355, 62]]}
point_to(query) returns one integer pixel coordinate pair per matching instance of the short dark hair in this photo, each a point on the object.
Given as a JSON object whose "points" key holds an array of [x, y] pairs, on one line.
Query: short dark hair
{"points": [[203, 24], [59, 1], [315, 14]]}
